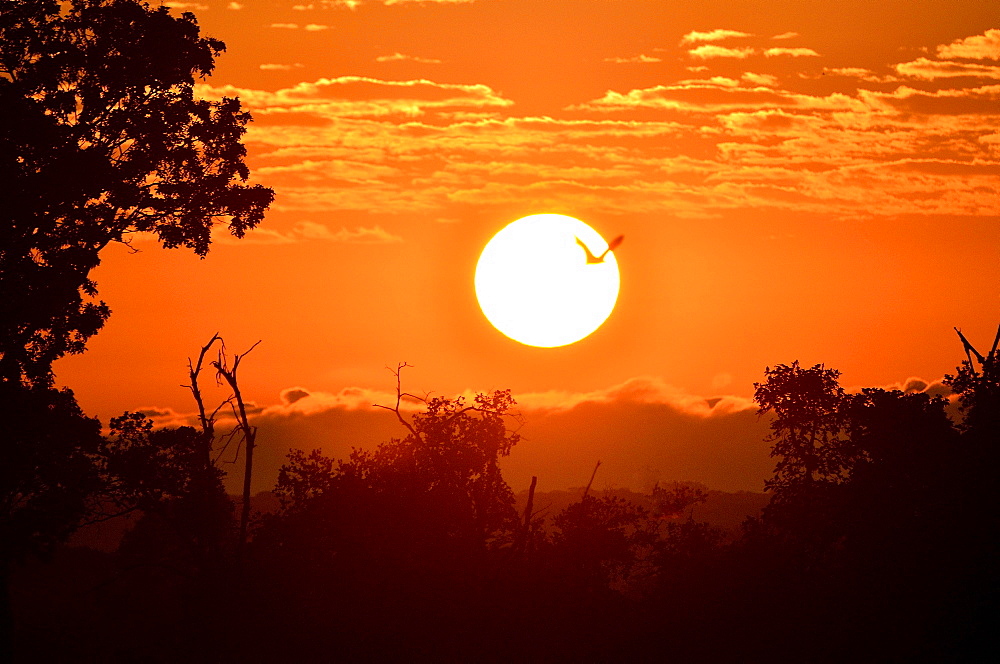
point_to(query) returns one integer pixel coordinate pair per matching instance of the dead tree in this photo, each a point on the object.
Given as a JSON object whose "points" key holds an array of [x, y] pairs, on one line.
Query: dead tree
{"points": [[592, 476], [207, 421], [243, 428]]}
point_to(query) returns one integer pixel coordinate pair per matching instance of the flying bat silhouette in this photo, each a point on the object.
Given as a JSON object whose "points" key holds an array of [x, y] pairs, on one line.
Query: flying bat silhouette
{"points": [[591, 258]]}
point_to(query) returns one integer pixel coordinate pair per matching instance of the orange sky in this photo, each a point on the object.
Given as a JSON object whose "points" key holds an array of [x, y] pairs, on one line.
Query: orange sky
{"points": [[819, 182]]}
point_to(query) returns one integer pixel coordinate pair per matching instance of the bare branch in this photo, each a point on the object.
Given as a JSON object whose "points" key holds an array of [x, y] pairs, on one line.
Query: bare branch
{"points": [[592, 475], [399, 397], [207, 421], [243, 424], [969, 348]]}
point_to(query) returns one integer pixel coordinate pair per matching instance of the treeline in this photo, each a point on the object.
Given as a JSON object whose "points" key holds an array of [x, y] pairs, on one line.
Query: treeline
{"points": [[879, 543]]}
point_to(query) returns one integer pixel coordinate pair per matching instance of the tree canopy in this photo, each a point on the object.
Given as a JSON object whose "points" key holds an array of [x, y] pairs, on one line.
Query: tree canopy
{"points": [[103, 137]]}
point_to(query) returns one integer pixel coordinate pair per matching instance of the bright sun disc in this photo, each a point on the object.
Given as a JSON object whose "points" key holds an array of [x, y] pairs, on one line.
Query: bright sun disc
{"points": [[534, 283]]}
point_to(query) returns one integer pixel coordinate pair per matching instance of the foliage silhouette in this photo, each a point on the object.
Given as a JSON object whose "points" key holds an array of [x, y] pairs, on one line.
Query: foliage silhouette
{"points": [[425, 516], [48, 470], [103, 138], [599, 542], [882, 547]]}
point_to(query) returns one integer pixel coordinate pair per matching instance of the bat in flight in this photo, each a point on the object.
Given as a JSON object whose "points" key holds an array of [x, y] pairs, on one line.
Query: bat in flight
{"points": [[591, 258]]}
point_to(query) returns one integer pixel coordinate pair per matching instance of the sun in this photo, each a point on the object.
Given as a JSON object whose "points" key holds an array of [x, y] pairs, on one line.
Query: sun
{"points": [[535, 284]]}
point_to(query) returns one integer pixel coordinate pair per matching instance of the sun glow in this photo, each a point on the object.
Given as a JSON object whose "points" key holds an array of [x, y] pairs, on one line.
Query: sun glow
{"points": [[535, 284]]}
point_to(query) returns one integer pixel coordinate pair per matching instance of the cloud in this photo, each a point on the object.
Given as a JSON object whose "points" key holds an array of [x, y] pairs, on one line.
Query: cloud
{"points": [[641, 58], [979, 47], [359, 96], [361, 235], [314, 27], [307, 230], [786, 35], [275, 67], [640, 390], [397, 57], [187, 5], [326, 170], [711, 36], [303, 401], [235, 6], [700, 97], [354, 4], [983, 100], [168, 417], [929, 70], [293, 394], [859, 73], [302, 8], [699, 147], [426, 2], [766, 80], [632, 427], [794, 52], [712, 51], [917, 385], [719, 81], [286, 26]]}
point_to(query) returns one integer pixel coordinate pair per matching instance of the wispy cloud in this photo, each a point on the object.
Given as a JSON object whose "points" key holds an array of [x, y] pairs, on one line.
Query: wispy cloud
{"points": [[720, 81], [929, 70], [794, 52], [641, 58], [979, 47], [359, 96], [307, 230], [712, 51], [766, 80], [859, 73], [277, 67], [187, 5], [399, 57], [786, 35], [712, 36], [426, 2]]}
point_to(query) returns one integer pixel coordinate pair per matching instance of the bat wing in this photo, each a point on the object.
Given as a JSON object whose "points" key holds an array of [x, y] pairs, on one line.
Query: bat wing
{"points": [[615, 243]]}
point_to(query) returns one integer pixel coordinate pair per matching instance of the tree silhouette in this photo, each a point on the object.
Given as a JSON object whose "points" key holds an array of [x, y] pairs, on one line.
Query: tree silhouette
{"points": [[47, 475], [601, 541], [103, 138], [441, 481], [979, 390], [805, 430], [160, 473], [384, 549], [806, 438]]}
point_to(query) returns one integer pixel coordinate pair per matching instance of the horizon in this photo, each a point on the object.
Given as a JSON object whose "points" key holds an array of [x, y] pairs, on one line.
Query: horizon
{"points": [[816, 186]]}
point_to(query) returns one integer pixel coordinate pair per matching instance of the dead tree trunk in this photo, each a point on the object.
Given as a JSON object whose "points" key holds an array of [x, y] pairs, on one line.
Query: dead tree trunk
{"points": [[207, 421], [592, 476], [248, 432], [526, 537]]}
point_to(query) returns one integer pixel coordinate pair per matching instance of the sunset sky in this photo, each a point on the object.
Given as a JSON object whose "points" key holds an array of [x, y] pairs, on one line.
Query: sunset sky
{"points": [[795, 180]]}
